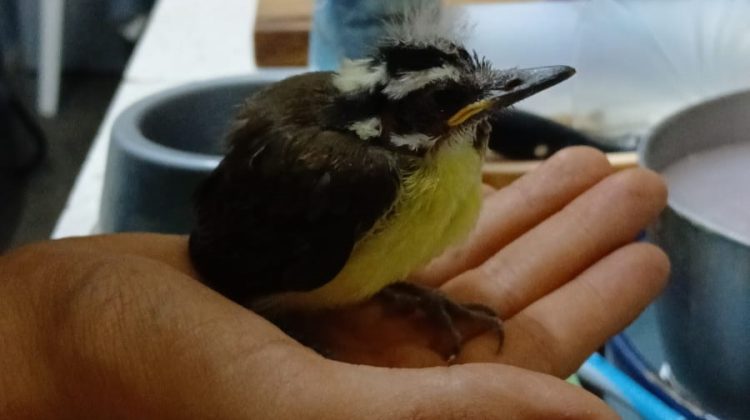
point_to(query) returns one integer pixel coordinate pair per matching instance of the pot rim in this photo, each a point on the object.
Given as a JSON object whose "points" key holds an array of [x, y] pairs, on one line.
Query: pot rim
{"points": [[645, 146]]}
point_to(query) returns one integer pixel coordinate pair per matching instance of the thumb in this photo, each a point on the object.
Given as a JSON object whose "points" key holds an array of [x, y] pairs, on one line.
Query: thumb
{"points": [[485, 391]]}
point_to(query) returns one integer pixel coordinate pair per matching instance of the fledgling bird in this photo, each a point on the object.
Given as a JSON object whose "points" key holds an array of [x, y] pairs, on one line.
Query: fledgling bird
{"points": [[337, 185]]}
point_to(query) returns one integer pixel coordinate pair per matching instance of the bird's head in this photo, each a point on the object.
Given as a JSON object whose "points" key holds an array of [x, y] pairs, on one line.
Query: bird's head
{"points": [[418, 88]]}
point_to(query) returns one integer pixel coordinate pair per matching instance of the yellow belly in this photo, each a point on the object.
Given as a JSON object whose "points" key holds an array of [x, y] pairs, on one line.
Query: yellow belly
{"points": [[436, 207]]}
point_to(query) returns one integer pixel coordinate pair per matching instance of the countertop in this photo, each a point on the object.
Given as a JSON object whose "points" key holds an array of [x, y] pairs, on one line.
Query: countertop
{"points": [[186, 40]]}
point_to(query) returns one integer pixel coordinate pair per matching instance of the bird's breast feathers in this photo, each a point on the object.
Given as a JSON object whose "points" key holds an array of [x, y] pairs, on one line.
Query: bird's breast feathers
{"points": [[436, 207]]}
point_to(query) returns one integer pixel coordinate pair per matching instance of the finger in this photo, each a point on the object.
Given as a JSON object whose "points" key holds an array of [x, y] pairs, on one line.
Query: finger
{"points": [[468, 391], [606, 217], [169, 249], [511, 211], [565, 327]]}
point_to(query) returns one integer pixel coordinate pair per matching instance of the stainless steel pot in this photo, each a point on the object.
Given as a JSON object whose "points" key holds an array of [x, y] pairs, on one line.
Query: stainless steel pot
{"points": [[704, 314]]}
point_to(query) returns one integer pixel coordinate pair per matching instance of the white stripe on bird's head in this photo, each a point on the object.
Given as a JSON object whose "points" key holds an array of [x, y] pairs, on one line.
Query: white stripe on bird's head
{"points": [[361, 74], [407, 82]]}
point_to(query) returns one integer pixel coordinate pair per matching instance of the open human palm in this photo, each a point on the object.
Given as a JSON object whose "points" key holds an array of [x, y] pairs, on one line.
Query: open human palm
{"points": [[131, 325], [552, 254]]}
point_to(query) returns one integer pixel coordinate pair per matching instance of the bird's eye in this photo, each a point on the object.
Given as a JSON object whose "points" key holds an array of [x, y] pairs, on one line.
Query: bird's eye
{"points": [[512, 83], [451, 99]]}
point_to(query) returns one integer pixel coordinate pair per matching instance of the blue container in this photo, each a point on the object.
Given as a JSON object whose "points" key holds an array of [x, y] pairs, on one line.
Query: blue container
{"points": [[351, 28]]}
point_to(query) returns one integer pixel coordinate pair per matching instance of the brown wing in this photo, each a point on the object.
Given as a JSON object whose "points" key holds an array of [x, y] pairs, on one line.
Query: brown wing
{"points": [[284, 209]]}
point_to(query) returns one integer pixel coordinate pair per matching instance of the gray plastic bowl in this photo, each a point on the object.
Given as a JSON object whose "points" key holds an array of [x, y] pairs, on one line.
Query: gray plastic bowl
{"points": [[162, 148]]}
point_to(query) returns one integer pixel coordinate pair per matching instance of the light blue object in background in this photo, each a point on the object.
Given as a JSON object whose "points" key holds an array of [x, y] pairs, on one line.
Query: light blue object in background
{"points": [[349, 28], [606, 377]]}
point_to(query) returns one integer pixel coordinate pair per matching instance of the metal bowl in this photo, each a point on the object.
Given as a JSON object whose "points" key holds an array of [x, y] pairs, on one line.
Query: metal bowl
{"points": [[704, 314]]}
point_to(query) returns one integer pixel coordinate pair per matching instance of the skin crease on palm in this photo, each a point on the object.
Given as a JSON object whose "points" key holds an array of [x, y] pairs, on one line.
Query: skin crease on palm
{"points": [[118, 327]]}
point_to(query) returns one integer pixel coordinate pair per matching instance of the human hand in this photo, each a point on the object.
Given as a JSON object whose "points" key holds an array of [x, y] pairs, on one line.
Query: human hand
{"points": [[553, 254], [117, 326]]}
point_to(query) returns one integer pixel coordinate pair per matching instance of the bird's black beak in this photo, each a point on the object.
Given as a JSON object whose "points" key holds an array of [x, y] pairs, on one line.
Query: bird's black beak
{"points": [[512, 86], [516, 84]]}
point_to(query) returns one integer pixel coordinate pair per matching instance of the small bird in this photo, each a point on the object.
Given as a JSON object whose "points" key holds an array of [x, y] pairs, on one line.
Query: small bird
{"points": [[337, 185]]}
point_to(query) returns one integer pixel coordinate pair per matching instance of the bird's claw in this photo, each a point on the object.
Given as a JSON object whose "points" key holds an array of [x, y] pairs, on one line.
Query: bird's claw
{"points": [[443, 311]]}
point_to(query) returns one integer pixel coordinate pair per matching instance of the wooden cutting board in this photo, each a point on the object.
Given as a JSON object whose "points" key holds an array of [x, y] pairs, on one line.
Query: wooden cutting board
{"points": [[282, 30]]}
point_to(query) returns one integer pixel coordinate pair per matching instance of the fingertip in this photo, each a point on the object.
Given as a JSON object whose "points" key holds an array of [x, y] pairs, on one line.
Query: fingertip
{"points": [[641, 185], [654, 264], [559, 179], [580, 152], [584, 159], [658, 182]]}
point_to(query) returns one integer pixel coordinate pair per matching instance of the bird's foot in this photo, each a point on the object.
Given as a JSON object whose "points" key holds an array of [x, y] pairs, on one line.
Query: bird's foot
{"points": [[443, 312]]}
